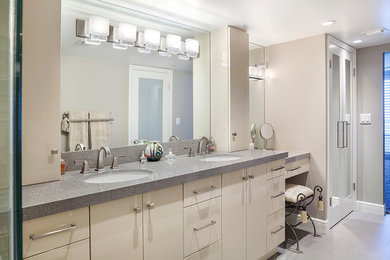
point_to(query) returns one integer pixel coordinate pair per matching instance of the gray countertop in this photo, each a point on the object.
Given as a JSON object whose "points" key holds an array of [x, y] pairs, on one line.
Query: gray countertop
{"points": [[295, 156], [71, 192]]}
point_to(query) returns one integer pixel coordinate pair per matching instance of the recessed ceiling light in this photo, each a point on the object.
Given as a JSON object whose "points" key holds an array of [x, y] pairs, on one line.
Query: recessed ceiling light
{"points": [[357, 41], [327, 23], [375, 31]]}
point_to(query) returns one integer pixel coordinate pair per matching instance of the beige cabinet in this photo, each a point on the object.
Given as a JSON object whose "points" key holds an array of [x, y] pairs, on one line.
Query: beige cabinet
{"points": [[163, 224], [75, 251], [212, 252], [41, 136], [244, 213], [230, 89], [116, 228], [202, 190], [50, 232]]}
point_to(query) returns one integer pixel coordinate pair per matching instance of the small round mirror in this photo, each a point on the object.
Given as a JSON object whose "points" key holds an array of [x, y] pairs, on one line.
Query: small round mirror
{"points": [[266, 131]]}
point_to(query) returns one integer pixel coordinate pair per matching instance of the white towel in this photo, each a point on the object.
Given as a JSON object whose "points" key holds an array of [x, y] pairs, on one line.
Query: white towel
{"points": [[78, 131], [99, 132]]}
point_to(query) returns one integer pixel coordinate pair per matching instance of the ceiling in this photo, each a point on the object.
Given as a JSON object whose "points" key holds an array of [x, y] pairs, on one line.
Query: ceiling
{"points": [[274, 21]]}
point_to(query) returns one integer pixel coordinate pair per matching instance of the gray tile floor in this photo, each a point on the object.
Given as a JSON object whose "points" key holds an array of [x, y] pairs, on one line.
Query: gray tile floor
{"points": [[360, 236]]}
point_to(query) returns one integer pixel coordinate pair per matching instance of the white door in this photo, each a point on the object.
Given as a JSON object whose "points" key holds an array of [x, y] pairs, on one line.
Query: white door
{"points": [[341, 145], [150, 104]]}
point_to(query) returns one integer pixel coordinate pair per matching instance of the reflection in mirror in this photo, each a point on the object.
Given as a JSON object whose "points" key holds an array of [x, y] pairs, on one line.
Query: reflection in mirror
{"points": [[129, 78], [256, 94]]}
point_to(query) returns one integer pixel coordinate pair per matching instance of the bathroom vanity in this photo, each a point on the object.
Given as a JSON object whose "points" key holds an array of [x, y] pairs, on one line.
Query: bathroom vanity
{"points": [[217, 206]]}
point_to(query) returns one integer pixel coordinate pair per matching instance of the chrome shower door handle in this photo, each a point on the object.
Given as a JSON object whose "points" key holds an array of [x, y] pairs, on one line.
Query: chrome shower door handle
{"points": [[345, 134], [340, 135]]}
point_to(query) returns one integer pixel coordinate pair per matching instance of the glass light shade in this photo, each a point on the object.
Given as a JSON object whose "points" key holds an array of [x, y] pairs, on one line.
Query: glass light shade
{"points": [[91, 41], [119, 46], [99, 27], [173, 44], [151, 39], [183, 57], [127, 34], [143, 50], [192, 48], [164, 54]]}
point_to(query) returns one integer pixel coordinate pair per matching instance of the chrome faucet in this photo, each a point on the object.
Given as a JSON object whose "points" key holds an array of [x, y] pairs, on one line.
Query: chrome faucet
{"points": [[200, 145], [174, 138], [101, 156]]}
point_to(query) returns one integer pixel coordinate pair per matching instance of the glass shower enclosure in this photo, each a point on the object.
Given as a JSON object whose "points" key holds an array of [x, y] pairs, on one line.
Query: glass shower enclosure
{"points": [[10, 187]]}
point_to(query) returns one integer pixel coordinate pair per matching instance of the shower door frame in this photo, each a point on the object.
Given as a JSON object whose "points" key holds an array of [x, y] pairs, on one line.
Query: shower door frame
{"points": [[330, 40]]}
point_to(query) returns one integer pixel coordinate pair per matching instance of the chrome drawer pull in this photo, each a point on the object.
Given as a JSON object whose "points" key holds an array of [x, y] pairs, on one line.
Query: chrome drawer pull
{"points": [[280, 194], [213, 222], [63, 228], [244, 178], [278, 230], [205, 190], [296, 168], [251, 176], [277, 169], [150, 205], [137, 210]]}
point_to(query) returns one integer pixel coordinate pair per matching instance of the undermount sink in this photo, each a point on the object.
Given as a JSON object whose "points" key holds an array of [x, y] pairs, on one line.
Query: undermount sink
{"points": [[124, 175], [220, 158]]}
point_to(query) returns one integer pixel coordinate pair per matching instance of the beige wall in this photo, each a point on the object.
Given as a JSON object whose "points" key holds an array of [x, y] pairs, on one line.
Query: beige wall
{"points": [[370, 142], [295, 102]]}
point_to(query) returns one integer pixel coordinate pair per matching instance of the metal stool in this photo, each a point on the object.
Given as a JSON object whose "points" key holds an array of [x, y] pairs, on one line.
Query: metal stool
{"points": [[297, 197]]}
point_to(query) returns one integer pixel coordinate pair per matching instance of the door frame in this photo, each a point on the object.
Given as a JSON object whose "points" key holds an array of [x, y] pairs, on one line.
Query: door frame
{"points": [[135, 72], [330, 40]]}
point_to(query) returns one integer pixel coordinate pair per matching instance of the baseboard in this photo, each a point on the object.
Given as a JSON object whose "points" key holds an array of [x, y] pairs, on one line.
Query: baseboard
{"points": [[370, 207]]}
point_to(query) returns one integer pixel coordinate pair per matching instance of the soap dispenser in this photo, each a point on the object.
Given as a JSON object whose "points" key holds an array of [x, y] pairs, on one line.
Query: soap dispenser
{"points": [[170, 156]]}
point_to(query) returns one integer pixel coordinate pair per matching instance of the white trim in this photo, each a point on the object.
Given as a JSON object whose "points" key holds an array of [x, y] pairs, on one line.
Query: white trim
{"points": [[149, 72], [370, 207]]}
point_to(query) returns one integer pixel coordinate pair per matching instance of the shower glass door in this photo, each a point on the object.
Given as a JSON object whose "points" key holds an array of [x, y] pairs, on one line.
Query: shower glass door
{"points": [[340, 135], [10, 223]]}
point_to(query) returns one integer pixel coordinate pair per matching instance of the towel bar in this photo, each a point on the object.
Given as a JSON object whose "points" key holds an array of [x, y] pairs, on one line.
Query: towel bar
{"points": [[91, 120]]}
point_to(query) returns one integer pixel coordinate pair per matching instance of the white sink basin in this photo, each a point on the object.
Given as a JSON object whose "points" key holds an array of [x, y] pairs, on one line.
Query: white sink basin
{"points": [[125, 175], [220, 158]]}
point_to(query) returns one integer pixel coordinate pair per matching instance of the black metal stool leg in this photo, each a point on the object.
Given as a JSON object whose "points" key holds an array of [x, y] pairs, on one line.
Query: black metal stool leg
{"points": [[297, 250], [314, 227]]}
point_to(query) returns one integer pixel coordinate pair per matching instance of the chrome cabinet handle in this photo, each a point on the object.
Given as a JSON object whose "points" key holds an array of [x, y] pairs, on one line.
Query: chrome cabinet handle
{"points": [[54, 151], [278, 230], [213, 222], [205, 190], [296, 168], [251, 176], [62, 228], [137, 210], [234, 134], [280, 194], [150, 205], [277, 169], [244, 178]]}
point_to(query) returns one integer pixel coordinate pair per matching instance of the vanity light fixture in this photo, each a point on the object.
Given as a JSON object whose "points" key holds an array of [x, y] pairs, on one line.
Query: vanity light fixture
{"points": [[119, 46], [151, 39], [163, 48], [143, 50], [183, 57], [92, 41], [127, 34], [173, 43], [192, 48], [98, 27]]}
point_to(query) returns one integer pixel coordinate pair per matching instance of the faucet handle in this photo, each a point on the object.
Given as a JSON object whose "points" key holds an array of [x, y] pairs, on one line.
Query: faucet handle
{"points": [[115, 163], [190, 153], [85, 168]]}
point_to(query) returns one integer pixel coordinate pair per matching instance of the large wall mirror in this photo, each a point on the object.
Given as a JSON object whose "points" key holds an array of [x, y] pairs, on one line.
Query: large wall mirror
{"points": [[256, 92], [121, 89]]}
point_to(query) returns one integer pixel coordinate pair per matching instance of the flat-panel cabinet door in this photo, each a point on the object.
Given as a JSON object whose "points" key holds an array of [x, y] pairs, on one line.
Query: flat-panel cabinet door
{"points": [[234, 215], [163, 224], [75, 251], [116, 229], [256, 212]]}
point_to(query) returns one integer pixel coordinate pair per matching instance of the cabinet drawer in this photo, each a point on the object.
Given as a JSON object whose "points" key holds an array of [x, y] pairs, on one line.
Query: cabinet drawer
{"points": [[75, 251], [276, 168], [275, 194], [202, 225], [46, 233], [297, 167], [201, 190], [275, 229], [212, 252]]}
